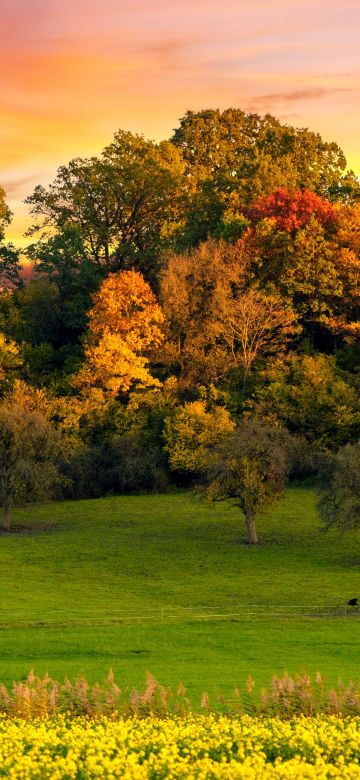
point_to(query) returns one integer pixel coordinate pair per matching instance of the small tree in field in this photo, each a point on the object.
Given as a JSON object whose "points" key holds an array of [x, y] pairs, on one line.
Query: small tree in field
{"points": [[251, 465], [339, 488], [29, 450]]}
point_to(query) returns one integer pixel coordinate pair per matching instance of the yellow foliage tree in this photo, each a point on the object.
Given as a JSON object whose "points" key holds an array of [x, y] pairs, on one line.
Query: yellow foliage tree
{"points": [[10, 360], [124, 327], [192, 432]]}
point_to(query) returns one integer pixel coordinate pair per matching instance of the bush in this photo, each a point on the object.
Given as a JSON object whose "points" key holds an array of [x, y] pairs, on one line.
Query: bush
{"points": [[120, 464]]}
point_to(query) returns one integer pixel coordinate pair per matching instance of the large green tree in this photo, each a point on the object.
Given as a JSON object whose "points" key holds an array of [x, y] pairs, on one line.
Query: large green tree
{"points": [[312, 397], [233, 157], [257, 153], [117, 210], [190, 434]]}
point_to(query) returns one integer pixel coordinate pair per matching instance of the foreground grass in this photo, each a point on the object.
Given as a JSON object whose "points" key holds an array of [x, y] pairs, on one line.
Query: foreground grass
{"points": [[201, 748], [165, 583]]}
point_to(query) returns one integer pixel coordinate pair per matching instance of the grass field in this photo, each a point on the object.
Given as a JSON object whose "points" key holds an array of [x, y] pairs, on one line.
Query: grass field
{"points": [[165, 584]]}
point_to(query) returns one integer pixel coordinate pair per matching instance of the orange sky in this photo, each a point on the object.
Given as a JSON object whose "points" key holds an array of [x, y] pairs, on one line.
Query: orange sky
{"points": [[72, 72]]}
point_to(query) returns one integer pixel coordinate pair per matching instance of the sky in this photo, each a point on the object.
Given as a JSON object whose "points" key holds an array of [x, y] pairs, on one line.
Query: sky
{"points": [[72, 72]]}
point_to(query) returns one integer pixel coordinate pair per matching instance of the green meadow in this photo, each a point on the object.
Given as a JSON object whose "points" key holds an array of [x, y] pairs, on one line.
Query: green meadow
{"points": [[166, 584]]}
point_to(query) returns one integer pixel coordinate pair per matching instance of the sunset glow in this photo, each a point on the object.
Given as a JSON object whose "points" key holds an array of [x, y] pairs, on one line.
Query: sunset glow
{"points": [[74, 72]]}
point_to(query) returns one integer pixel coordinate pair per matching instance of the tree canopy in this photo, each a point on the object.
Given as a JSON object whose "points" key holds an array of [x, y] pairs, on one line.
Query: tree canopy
{"points": [[234, 158], [180, 287], [116, 210]]}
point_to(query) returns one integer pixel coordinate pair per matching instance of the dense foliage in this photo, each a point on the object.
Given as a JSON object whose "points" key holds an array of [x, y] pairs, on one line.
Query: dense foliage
{"points": [[180, 288]]}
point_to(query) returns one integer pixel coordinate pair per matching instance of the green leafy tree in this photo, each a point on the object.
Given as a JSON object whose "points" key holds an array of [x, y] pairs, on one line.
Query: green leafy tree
{"points": [[29, 451], [63, 261], [250, 465], [47, 327], [233, 158], [10, 270], [339, 488], [312, 397], [5, 214], [38, 317], [117, 210], [256, 154]]}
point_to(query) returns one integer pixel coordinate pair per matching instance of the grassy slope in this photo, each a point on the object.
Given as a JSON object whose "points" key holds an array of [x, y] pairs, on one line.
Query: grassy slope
{"points": [[146, 559]]}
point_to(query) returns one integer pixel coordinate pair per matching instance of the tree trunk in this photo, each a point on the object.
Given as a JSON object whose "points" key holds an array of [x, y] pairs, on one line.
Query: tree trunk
{"points": [[251, 527], [246, 375], [6, 514]]}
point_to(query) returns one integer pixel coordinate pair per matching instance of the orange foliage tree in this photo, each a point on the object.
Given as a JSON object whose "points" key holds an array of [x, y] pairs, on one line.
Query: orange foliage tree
{"points": [[124, 327], [292, 210], [307, 250]]}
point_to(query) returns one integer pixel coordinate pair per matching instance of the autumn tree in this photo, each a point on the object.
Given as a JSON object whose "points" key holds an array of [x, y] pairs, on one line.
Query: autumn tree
{"points": [[292, 210], [195, 287], [192, 432], [215, 323], [306, 250], [124, 327], [251, 466], [345, 319], [29, 452], [10, 361], [117, 210], [255, 325]]}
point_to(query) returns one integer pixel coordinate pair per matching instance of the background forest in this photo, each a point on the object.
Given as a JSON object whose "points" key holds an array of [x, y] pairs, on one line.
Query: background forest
{"points": [[193, 310]]}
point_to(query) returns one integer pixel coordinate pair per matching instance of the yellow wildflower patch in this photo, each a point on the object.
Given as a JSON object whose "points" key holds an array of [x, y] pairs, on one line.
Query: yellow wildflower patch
{"points": [[196, 748]]}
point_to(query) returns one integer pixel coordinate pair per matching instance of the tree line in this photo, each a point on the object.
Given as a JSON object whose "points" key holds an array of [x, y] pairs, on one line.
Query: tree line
{"points": [[192, 317]]}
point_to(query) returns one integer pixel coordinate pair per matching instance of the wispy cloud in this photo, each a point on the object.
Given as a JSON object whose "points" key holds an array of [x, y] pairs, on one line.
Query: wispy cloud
{"points": [[276, 99]]}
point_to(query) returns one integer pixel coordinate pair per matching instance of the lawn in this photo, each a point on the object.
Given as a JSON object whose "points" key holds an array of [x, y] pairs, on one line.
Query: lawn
{"points": [[165, 584]]}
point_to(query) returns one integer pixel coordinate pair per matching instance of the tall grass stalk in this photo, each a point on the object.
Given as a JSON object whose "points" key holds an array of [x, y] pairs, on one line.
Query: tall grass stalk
{"points": [[285, 697]]}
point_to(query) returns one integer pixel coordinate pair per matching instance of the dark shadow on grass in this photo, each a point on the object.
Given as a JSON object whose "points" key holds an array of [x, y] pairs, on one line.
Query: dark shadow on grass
{"points": [[21, 530]]}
